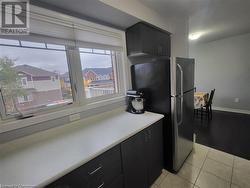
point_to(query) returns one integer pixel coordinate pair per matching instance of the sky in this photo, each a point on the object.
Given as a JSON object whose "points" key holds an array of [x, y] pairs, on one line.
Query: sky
{"points": [[52, 60]]}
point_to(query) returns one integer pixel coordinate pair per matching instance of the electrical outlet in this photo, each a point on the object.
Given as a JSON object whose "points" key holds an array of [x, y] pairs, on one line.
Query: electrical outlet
{"points": [[74, 117], [236, 100]]}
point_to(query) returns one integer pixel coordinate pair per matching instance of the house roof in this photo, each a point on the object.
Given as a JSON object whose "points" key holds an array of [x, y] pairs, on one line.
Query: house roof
{"points": [[34, 71], [99, 71]]}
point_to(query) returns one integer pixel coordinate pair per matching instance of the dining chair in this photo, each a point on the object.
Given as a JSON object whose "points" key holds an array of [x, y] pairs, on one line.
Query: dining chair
{"points": [[207, 108]]}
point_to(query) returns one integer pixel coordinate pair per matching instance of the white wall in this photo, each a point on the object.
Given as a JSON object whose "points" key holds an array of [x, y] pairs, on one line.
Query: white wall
{"points": [[139, 10], [224, 65], [179, 39], [178, 27]]}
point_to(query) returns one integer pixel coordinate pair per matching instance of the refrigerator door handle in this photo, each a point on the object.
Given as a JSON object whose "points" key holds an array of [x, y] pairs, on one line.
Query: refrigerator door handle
{"points": [[181, 71]]}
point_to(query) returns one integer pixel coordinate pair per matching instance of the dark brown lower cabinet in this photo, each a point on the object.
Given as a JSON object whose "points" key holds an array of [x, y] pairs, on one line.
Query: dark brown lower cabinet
{"points": [[155, 152], [98, 173], [135, 163], [142, 157]]}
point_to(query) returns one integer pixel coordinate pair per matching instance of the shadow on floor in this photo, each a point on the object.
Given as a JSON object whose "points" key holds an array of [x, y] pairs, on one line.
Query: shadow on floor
{"points": [[228, 132]]}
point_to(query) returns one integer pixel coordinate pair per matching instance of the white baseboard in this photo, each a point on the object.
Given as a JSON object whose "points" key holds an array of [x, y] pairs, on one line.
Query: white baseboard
{"points": [[232, 110]]}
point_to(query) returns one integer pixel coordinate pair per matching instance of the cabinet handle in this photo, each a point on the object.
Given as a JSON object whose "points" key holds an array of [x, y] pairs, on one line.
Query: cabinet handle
{"points": [[96, 170], [101, 185]]}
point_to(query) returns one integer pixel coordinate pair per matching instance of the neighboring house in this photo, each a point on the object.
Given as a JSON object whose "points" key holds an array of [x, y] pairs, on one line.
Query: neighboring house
{"points": [[97, 81], [41, 87], [97, 77], [96, 74]]}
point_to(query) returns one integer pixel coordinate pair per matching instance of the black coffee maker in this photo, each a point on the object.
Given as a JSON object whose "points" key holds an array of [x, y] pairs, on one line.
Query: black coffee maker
{"points": [[135, 102]]}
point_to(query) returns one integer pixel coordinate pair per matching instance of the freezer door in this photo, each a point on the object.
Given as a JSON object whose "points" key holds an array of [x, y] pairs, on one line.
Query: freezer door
{"points": [[182, 121], [184, 66], [154, 80]]}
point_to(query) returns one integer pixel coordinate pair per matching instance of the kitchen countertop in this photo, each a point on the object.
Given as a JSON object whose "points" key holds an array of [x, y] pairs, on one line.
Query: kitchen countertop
{"points": [[41, 158]]}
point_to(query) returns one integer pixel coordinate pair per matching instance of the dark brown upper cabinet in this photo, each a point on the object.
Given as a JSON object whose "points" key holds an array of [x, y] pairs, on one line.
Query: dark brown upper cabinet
{"points": [[146, 40]]}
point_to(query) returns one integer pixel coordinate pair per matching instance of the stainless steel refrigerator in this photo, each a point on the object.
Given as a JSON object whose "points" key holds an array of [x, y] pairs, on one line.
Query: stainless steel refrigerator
{"points": [[168, 85]]}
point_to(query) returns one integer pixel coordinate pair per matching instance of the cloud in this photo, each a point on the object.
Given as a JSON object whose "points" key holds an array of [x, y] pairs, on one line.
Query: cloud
{"points": [[52, 60]]}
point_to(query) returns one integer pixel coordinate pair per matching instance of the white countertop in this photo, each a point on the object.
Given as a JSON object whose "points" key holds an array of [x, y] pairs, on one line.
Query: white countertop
{"points": [[41, 158]]}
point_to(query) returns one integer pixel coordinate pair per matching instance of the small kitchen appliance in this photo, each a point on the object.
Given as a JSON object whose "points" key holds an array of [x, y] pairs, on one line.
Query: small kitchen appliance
{"points": [[135, 102]]}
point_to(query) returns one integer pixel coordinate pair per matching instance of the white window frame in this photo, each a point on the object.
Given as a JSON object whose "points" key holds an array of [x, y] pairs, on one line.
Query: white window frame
{"points": [[39, 39], [119, 70], [80, 104]]}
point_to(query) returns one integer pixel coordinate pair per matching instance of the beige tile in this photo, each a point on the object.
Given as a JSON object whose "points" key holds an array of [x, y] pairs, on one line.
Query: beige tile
{"points": [[242, 164], [207, 180], [174, 181], [154, 186], [200, 149], [160, 179], [221, 157], [234, 186], [189, 172], [219, 169], [241, 178], [196, 159], [165, 171], [195, 186]]}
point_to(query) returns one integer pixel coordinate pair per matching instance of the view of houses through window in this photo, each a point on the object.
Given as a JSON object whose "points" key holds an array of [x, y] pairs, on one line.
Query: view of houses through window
{"points": [[36, 75], [30, 76], [99, 72]]}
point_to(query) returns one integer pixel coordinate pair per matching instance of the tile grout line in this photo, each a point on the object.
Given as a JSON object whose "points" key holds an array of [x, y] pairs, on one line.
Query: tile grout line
{"points": [[229, 181], [232, 173], [165, 175], [201, 167], [217, 176], [187, 179], [220, 161]]}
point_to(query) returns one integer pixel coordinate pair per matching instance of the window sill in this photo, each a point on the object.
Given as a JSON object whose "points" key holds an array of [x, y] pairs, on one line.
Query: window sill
{"points": [[92, 107]]}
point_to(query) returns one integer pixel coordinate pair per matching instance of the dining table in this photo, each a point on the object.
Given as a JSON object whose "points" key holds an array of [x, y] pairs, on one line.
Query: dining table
{"points": [[200, 99]]}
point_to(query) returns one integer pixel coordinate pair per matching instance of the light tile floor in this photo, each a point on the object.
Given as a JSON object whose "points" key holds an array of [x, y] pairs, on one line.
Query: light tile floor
{"points": [[208, 168]]}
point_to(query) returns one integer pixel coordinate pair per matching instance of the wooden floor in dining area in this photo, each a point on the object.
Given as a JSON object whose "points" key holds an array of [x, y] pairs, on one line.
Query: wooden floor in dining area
{"points": [[227, 131], [208, 168]]}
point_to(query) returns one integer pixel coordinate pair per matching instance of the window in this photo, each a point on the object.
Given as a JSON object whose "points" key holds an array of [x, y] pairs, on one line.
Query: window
{"points": [[24, 81], [99, 72], [32, 76], [79, 63], [25, 98]]}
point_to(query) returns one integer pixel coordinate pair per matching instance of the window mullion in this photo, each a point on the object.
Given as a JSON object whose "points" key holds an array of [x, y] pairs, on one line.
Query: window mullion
{"points": [[2, 106], [76, 74], [120, 68]]}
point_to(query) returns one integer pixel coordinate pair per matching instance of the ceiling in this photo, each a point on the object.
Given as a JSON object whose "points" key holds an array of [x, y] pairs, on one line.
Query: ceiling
{"points": [[215, 19], [92, 10]]}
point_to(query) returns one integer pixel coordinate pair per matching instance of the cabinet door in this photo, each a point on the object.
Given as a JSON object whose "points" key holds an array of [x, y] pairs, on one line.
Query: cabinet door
{"points": [[155, 151], [98, 172], [71, 180], [134, 162], [163, 44], [146, 39], [117, 183]]}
